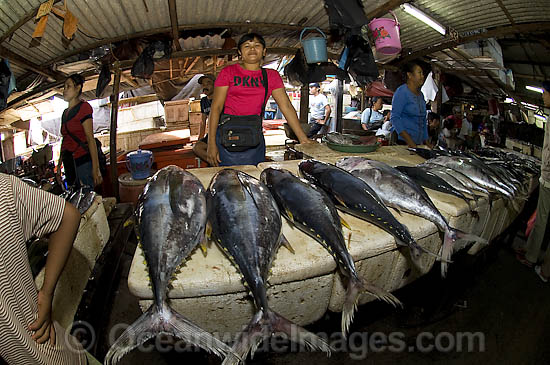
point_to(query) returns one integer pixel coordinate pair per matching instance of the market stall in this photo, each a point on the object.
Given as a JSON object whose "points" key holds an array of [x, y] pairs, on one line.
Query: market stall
{"points": [[305, 285]]}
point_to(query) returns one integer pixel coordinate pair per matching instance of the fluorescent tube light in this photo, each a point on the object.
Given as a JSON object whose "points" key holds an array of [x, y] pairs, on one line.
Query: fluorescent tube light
{"points": [[420, 15], [529, 106], [509, 100], [535, 89]]}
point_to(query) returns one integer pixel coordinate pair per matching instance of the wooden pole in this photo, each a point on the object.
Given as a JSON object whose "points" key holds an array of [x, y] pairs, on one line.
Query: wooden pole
{"points": [[114, 118], [304, 103], [339, 105]]}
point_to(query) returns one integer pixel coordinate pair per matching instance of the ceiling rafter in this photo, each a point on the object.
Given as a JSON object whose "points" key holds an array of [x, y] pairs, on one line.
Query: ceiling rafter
{"points": [[492, 33], [471, 79], [28, 65], [151, 32], [385, 8], [174, 23]]}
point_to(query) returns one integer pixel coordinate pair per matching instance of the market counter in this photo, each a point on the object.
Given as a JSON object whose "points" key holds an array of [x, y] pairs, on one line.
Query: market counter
{"points": [[305, 285]]}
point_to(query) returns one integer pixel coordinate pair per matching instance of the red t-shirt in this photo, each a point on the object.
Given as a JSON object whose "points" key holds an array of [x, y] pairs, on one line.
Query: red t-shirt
{"points": [[246, 90], [73, 119]]}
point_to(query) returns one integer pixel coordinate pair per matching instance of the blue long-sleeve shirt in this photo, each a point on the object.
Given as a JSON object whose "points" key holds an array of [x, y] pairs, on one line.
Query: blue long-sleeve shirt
{"points": [[408, 113]]}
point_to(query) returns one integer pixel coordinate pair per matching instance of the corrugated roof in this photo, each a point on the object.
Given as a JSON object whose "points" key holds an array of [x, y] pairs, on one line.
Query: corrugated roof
{"points": [[107, 19]]}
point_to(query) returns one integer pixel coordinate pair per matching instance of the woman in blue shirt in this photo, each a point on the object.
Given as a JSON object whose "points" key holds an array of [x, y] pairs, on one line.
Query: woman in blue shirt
{"points": [[408, 114]]}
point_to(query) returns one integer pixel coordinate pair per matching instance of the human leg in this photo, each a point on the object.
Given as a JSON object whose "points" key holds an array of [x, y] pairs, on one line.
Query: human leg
{"points": [[536, 237]]}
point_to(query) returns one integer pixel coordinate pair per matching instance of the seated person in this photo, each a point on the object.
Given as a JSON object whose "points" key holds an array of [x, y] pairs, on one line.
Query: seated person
{"points": [[200, 148], [372, 116]]}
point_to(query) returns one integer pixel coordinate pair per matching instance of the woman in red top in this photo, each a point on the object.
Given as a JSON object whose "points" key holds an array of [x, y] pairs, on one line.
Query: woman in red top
{"points": [[78, 149], [239, 90]]}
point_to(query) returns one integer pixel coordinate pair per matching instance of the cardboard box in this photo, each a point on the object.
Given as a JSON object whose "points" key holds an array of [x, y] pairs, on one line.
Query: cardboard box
{"points": [[176, 111], [195, 106]]}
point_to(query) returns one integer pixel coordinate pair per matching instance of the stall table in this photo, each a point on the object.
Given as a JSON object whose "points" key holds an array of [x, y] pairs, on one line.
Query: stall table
{"points": [[304, 285]]}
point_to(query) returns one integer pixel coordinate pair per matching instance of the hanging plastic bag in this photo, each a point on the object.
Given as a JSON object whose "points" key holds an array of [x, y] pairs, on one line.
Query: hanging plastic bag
{"points": [[144, 65], [346, 14], [360, 62], [103, 80]]}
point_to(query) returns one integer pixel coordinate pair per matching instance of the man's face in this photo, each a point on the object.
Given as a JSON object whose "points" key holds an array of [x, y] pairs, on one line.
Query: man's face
{"points": [[546, 98], [314, 90], [207, 86]]}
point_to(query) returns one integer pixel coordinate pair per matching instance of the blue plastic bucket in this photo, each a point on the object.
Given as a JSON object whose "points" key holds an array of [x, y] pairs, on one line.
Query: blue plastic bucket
{"points": [[315, 48], [139, 164]]}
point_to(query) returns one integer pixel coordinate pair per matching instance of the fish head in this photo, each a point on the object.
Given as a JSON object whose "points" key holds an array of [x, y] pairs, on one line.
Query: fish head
{"points": [[271, 176]]}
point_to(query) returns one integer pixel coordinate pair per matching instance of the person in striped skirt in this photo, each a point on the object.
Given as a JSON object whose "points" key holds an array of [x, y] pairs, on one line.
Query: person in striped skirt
{"points": [[29, 334]]}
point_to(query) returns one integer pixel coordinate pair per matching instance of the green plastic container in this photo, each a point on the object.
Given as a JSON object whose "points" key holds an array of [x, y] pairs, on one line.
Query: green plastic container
{"points": [[356, 148]]}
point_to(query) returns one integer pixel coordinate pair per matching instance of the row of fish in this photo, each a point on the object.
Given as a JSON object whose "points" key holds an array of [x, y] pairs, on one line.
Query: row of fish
{"points": [[489, 172], [243, 216]]}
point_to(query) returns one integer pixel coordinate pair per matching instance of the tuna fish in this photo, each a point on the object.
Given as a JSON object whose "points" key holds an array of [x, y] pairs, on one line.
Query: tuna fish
{"points": [[171, 218], [356, 197], [311, 210], [399, 191], [431, 181], [246, 223], [478, 175]]}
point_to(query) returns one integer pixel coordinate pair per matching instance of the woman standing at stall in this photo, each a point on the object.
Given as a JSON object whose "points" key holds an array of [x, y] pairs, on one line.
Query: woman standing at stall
{"points": [[79, 154], [408, 114], [235, 131]]}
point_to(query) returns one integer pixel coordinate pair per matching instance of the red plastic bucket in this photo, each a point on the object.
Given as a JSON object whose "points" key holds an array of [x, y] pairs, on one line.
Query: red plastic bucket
{"points": [[385, 33]]}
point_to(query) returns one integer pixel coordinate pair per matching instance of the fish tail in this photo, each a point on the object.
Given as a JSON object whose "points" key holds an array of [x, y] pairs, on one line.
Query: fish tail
{"points": [[455, 240], [447, 250], [157, 320], [355, 287], [262, 326]]}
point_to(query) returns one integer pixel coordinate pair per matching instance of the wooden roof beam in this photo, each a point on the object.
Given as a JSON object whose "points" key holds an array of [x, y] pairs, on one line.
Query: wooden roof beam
{"points": [[151, 32], [28, 65], [174, 23], [470, 79], [385, 8], [496, 32]]}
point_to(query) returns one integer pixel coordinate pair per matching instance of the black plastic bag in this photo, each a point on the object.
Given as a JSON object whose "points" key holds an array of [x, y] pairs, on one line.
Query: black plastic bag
{"points": [[296, 70], [346, 13], [162, 49], [301, 73], [360, 62], [103, 80], [144, 65], [5, 76]]}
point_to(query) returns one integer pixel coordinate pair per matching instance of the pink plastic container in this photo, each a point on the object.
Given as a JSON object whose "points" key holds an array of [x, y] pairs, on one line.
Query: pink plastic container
{"points": [[385, 32]]}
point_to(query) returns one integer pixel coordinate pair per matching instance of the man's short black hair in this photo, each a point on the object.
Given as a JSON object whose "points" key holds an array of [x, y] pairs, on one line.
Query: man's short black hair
{"points": [[248, 37]]}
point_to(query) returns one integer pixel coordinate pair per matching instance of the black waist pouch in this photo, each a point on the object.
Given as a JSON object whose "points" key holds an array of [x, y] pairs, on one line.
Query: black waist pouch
{"points": [[240, 132]]}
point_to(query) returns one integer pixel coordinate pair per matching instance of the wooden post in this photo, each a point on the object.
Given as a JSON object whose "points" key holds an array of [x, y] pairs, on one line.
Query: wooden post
{"points": [[304, 103], [439, 96], [112, 134], [339, 105]]}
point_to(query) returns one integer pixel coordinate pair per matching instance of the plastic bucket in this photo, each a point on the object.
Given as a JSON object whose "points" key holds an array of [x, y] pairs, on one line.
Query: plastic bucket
{"points": [[315, 48], [139, 164], [385, 33]]}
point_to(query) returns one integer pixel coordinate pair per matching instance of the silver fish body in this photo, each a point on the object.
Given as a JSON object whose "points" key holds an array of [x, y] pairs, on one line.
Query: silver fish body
{"points": [[171, 218], [246, 224]]}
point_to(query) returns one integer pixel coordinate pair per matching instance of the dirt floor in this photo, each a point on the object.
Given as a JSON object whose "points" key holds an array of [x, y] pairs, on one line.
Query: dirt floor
{"points": [[502, 303]]}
